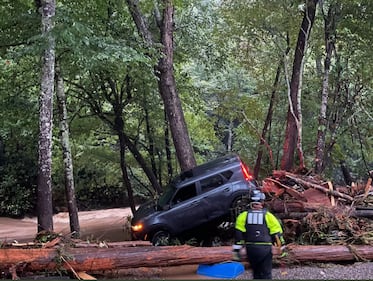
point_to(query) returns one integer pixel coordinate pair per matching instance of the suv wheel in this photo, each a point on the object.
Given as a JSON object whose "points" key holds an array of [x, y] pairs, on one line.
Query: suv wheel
{"points": [[239, 205], [161, 238]]}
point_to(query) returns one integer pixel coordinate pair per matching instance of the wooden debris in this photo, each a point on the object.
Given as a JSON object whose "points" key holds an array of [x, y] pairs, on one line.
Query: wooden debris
{"points": [[360, 213], [311, 201], [332, 200], [79, 244], [85, 276], [52, 243], [367, 187], [319, 187]]}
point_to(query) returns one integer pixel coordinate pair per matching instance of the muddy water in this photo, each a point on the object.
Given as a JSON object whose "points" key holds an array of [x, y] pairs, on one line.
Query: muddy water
{"points": [[104, 225]]}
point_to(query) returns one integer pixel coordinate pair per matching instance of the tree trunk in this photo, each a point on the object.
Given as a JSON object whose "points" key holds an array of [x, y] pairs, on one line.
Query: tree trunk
{"points": [[300, 215], [346, 173], [140, 159], [230, 136], [150, 136], [167, 85], [330, 35], [67, 157], [167, 142], [44, 190], [98, 259], [268, 119], [171, 99], [335, 110], [294, 122], [119, 127]]}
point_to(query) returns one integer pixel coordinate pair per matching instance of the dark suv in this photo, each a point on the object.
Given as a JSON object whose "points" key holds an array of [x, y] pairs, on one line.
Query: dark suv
{"points": [[208, 194]]}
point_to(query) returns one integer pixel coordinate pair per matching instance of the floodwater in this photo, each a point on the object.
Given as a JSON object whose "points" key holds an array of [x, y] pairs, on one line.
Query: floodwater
{"points": [[104, 225]]}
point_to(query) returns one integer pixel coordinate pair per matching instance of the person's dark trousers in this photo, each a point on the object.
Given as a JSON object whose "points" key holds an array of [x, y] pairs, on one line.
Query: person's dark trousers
{"points": [[260, 259]]}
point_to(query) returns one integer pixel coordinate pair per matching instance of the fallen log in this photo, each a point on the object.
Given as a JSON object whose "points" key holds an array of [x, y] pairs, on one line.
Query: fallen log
{"points": [[296, 194], [81, 244], [319, 187], [331, 253], [357, 213], [101, 259]]}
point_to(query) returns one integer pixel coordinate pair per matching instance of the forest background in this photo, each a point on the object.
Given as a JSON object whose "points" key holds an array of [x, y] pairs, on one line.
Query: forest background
{"points": [[104, 101]]}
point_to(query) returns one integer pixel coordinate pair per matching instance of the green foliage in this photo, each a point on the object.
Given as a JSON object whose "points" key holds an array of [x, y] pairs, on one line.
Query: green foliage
{"points": [[18, 131], [96, 185], [226, 58], [93, 40], [19, 23], [15, 199]]}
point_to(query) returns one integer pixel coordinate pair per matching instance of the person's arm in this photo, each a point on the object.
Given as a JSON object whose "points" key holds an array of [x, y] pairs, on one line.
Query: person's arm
{"points": [[275, 229], [240, 228], [239, 238]]}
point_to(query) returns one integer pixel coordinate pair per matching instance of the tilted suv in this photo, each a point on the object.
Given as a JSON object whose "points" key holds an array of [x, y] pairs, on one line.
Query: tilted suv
{"points": [[207, 194]]}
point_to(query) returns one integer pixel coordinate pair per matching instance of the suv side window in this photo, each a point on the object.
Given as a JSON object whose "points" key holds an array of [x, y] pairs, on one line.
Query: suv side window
{"points": [[184, 193], [227, 174], [211, 182]]}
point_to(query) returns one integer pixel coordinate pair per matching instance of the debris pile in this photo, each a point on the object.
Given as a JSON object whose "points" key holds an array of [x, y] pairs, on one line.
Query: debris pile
{"points": [[316, 212], [335, 226]]}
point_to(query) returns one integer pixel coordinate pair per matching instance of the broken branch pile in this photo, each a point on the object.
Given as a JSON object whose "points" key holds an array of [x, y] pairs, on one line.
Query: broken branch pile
{"points": [[316, 212]]}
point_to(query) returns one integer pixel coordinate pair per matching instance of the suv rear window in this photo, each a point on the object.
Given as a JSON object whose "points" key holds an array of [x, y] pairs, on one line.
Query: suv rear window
{"points": [[227, 174]]}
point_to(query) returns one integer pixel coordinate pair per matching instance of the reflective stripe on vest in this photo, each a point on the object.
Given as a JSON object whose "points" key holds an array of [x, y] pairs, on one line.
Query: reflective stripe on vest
{"points": [[255, 218]]}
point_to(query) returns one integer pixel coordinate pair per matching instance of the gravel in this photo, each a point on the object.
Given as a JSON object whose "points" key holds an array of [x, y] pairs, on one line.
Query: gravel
{"points": [[355, 271], [320, 271]]}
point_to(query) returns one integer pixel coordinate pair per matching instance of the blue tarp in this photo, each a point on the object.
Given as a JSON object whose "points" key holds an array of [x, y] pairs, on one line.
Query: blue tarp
{"points": [[221, 270]]}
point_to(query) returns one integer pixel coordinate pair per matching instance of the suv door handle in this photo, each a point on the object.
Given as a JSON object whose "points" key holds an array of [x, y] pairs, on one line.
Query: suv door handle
{"points": [[195, 203], [227, 189]]}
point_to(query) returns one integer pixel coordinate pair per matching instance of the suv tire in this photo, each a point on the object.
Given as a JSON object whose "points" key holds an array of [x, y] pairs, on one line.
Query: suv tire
{"points": [[161, 238], [239, 205]]}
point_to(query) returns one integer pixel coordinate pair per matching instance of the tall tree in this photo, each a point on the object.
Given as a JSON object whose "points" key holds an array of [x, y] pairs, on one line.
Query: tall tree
{"points": [[67, 156], [164, 70], [293, 133], [45, 206], [268, 120], [330, 19]]}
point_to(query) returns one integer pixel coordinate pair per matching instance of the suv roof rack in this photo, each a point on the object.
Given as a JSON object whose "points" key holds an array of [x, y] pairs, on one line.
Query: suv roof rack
{"points": [[209, 166]]}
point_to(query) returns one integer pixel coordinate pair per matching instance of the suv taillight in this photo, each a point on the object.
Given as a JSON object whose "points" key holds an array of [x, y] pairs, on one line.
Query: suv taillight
{"points": [[246, 173]]}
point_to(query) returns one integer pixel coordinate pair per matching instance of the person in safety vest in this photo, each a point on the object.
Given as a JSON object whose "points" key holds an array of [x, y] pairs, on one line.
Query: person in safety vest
{"points": [[257, 229]]}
